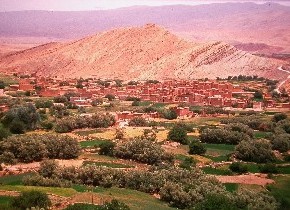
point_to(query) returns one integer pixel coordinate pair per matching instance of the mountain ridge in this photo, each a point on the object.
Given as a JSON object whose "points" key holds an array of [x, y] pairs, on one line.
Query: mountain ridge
{"points": [[148, 52]]}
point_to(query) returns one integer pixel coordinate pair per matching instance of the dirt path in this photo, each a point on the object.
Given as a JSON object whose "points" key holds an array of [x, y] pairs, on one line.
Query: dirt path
{"points": [[257, 179], [283, 82]]}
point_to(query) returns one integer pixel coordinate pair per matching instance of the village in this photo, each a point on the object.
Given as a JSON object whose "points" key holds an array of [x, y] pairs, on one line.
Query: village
{"points": [[195, 93]]}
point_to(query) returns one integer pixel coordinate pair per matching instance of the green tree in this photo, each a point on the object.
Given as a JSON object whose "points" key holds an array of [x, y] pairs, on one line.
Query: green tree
{"points": [[259, 151], [238, 167], [279, 116], [26, 115], [31, 199]]}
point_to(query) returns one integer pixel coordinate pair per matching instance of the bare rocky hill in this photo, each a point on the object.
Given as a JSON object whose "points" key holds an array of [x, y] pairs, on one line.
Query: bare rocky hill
{"points": [[263, 28], [148, 52]]}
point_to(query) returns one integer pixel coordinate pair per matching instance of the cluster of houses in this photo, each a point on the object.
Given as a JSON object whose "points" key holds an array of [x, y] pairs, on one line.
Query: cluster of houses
{"points": [[194, 92]]}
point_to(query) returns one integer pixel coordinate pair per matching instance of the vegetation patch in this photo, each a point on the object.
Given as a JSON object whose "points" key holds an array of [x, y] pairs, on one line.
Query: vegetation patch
{"points": [[97, 143], [13, 179], [231, 187], [5, 202], [88, 132]]}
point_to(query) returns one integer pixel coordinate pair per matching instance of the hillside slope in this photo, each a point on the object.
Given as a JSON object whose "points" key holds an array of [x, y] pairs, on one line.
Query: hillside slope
{"points": [[148, 52]]}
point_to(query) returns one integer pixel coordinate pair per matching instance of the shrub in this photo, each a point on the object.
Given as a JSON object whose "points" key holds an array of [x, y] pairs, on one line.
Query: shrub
{"points": [[59, 111], [281, 142], [187, 163], [238, 167], [29, 148], [47, 168], [142, 150], [268, 168], [222, 136], [17, 127], [47, 125], [217, 201], [4, 133], [178, 133], [21, 118], [259, 151], [107, 148], [135, 103], [31, 199], [168, 114], [119, 134], [138, 122], [196, 148], [110, 97]]}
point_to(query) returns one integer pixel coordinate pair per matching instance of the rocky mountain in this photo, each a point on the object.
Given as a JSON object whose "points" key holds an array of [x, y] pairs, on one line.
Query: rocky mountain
{"points": [[148, 52], [261, 27]]}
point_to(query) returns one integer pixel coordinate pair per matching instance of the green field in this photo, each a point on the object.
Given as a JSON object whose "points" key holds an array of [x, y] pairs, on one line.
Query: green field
{"points": [[134, 199], [85, 144], [5, 202], [13, 179], [218, 152], [66, 192], [281, 190], [107, 164], [217, 171]]}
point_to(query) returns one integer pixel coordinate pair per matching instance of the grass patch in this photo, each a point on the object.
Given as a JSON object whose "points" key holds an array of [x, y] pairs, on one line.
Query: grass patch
{"points": [[134, 199], [85, 144], [253, 168], [231, 187], [66, 192], [283, 169], [281, 191], [218, 152], [13, 179], [261, 135], [217, 158], [80, 188], [106, 164]]}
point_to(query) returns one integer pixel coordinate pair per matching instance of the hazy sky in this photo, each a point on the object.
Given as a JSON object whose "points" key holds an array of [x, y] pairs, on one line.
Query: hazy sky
{"points": [[79, 5]]}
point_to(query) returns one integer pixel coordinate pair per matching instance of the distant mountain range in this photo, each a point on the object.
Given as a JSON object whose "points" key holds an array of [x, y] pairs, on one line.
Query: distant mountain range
{"points": [[263, 28], [148, 52]]}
